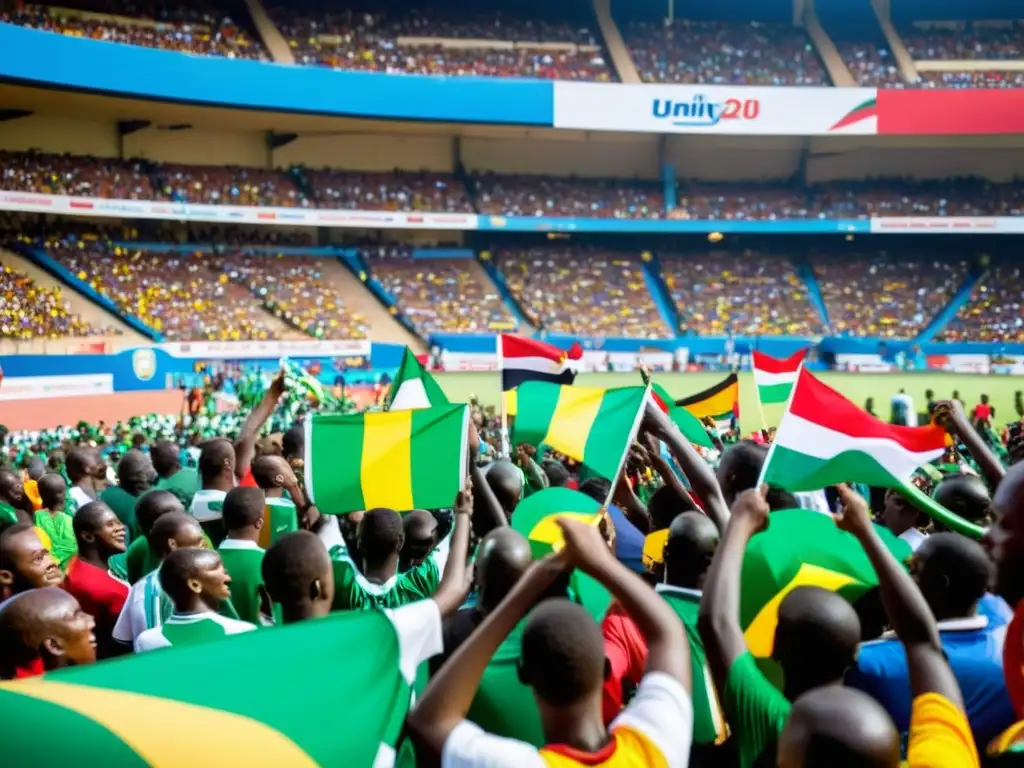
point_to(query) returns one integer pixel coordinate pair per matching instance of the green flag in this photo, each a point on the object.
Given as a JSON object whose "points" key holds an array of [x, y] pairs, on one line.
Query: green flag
{"points": [[688, 424], [595, 426], [413, 387], [248, 699], [401, 460]]}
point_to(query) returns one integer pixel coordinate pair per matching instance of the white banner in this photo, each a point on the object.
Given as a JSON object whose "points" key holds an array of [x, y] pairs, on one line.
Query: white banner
{"points": [[968, 225], [596, 361], [239, 350], [31, 202], [716, 109], [864, 363], [1008, 365], [975, 363], [469, 361], [37, 387]]}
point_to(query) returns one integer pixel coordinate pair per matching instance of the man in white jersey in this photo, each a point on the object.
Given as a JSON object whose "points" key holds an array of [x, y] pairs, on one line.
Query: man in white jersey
{"points": [[217, 477], [197, 584], [147, 605]]}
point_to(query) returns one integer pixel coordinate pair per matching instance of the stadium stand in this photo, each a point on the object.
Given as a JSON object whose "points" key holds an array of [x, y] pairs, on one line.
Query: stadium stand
{"points": [[28, 311], [740, 201], [201, 28], [439, 295], [972, 79], [728, 293], [227, 186], [717, 52], [872, 65], [946, 197], [397, 191], [584, 291], [75, 175], [995, 310], [885, 296], [964, 41], [294, 288], [590, 198]]}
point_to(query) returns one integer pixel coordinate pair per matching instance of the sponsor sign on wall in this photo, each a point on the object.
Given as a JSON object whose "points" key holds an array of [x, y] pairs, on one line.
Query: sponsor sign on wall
{"points": [[36, 387]]}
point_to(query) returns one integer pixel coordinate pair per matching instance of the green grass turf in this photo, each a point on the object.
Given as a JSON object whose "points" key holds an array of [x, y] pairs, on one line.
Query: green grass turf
{"points": [[856, 386]]}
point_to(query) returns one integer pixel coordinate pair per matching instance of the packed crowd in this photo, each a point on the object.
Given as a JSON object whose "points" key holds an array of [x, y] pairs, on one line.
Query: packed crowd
{"points": [[296, 289], [732, 294], [588, 198], [950, 197], [582, 291], [440, 295], [972, 80], [226, 185], [76, 175], [965, 41], [30, 311], [197, 28], [665, 632], [883, 296], [723, 53], [995, 309], [379, 42], [178, 295], [741, 202], [872, 66], [398, 191]]}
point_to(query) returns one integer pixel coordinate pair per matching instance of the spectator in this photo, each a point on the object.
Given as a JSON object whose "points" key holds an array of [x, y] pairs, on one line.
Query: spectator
{"points": [[399, 191], [587, 198], [28, 311], [994, 311]]}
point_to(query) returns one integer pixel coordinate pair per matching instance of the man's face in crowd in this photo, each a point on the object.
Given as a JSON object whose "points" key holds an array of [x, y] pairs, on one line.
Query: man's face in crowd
{"points": [[110, 534], [11, 489], [76, 634], [214, 580], [1004, 539], [898, 516], [32, 566]]}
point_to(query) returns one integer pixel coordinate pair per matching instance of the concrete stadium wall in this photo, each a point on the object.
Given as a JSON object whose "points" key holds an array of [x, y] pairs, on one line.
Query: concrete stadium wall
{"points": [[198, 147], [591, 157], [365, 152], [51, 133]]}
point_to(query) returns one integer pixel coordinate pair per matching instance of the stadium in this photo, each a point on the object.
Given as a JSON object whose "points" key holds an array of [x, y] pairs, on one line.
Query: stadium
{"points": [[196, 196]]}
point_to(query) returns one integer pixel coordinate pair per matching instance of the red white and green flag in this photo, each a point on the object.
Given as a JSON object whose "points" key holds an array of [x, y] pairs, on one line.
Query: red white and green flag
{"points": [[824, 439], [774, 377]]}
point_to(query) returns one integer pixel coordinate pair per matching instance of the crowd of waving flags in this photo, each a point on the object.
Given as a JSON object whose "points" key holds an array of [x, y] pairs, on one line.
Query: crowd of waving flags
{"points": [[413, 455]]}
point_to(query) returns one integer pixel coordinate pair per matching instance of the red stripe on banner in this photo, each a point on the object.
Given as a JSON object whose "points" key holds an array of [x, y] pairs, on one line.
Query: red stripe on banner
{"points": [[949, 111], [517, 346], [818, 402], [770, 364]]}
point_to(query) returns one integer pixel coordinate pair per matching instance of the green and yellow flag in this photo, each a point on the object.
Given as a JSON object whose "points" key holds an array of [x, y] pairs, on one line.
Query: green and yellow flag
{"points": [[402, 460], [220, 703], [720, 402], [595, 426]]}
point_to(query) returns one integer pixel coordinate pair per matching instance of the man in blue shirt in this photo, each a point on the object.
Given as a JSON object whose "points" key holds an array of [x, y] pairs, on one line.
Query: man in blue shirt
{"points": [[953, 573]]}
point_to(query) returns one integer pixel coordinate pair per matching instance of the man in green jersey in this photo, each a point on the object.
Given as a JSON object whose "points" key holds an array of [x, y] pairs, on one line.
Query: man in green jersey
{"points": [[689, 550], [815, 641], [181, 481], [217, 475], [139, 559], [240, 551], [378, 584], [135, 476], [299, 577], [197, 584]]}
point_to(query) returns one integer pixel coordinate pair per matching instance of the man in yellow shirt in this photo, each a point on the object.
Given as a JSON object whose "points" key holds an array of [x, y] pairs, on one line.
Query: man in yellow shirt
{"points": [[845, 727]]}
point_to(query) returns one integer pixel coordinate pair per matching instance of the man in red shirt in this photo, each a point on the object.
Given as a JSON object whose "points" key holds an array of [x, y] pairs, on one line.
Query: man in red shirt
{"points": [[983, 412], [25, 563], [100, 535]]}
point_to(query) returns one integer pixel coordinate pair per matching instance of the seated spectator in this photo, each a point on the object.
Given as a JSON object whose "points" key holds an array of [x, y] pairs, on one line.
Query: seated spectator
{"points": [[75, 175], [227, 185], [944, 197], [295, 288], [749, 293], [583, 291], [871, 65], [723, 53], [440, 295], [951, 41], [741, 202], [990, 79], [995, 310], [890, 297], [199, 28], [28, 311], [399, 191], [175, 294], [585, 198]]}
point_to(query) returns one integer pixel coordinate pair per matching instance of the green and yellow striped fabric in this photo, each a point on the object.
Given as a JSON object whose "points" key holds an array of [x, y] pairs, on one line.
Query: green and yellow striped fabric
{"points": [[595, 426], [401, 460], [253, 702]]}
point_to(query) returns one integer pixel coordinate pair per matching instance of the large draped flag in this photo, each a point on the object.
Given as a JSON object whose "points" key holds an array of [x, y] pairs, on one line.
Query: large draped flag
{"points": [[801, 547], [413, 387], [824, 439], [595, 426], [402, 460], [774, 377], [688, 424], [721, 402], [525, 359], [248, 699]]}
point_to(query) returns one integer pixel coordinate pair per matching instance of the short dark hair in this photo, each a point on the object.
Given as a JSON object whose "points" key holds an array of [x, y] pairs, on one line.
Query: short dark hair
{"points": [[381, 534], [87, 518], [8, 535], [78, 461], [168, 527], [665, 505], [213, 455], [264, 470], [166, 457], [180, 566], [52, 489], [291, 565], [153, 505], [740, 467], [562, 655], [956, 568], [242, 508], [558, 475], [597, 488], [293, 442], [55, 460]]}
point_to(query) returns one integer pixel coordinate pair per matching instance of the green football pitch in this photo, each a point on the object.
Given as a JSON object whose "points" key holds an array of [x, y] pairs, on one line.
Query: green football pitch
{"points": [[856, 386]]}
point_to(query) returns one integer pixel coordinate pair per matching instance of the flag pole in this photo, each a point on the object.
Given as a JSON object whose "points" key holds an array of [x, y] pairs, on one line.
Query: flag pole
{"points": [[771, 448], [505, 450], [629, 444]]}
